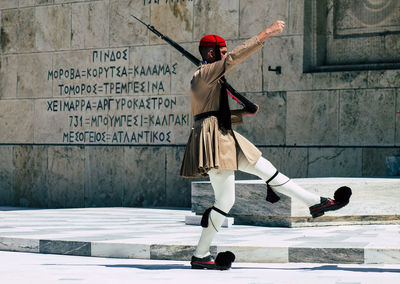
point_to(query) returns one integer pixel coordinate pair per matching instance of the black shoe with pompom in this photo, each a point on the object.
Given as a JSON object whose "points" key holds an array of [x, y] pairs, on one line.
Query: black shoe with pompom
{"points": [[341, 198], [223, 261]]}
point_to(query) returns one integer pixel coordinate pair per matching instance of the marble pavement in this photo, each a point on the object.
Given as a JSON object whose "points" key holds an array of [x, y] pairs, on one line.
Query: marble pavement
{"points": [[162, 234]]}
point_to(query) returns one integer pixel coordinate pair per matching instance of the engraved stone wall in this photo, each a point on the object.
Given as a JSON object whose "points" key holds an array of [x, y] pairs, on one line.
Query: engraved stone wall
{"points": [[95, 109]]}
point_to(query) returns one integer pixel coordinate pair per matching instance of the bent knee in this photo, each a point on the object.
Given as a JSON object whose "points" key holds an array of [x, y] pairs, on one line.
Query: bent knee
{"points": [[225, 204]]}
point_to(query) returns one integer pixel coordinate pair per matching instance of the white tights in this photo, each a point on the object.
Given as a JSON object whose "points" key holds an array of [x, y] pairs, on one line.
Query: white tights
{"points": [[223, 183]]}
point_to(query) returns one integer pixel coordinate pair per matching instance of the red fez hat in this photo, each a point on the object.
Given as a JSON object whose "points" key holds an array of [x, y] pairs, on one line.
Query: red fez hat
{"points": [[212, 41]]}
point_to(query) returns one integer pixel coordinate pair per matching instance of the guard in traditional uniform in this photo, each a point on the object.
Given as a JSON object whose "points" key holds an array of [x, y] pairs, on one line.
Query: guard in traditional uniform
{"points": [[215, 150]]}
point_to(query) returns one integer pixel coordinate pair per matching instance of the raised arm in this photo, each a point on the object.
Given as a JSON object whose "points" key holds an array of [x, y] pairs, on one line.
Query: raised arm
{"points": [[210, 73]]}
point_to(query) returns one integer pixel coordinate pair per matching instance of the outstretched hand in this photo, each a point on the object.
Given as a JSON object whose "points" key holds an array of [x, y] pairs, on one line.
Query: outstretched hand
{"points": [[274, 29]]}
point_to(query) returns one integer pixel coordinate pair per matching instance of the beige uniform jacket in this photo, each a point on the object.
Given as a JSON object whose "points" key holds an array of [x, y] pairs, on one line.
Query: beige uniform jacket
{"points": [[208, 146]]}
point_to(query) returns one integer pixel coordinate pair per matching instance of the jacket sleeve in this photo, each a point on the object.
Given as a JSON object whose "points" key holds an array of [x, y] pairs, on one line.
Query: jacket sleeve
{"points": [[210, 73]]}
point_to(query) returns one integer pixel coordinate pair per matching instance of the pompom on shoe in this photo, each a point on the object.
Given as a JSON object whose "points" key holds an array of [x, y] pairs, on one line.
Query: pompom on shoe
{"points": [[341, 198], [223, 261]]}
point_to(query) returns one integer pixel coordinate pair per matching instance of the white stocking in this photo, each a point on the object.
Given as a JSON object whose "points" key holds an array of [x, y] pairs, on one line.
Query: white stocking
{"points": [[223, 183], [281, 183]]}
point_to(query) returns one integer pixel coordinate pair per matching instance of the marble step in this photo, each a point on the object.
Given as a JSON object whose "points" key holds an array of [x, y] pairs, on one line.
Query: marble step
{"points": [[374, 201], [196, 220], [151, 233], [273, 252]]}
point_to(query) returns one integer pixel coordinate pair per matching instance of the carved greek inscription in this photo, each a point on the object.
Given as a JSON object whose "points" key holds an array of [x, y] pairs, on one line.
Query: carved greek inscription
{"points": [[113, 102]]}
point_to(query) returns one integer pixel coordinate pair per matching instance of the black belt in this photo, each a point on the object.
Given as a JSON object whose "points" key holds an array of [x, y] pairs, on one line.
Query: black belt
{"points": [[205, 115]]}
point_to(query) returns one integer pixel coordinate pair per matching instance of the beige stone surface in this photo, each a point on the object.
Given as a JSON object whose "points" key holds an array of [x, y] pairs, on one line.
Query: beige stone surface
{"points": [[295, 23], [66, 176], [27, 3], [374, 160], [145, 176], [26, 30], [1, 34], [105, 177], [180, 82], [53, 27], [6, 175], [173, 19], [177, 188], [392, 45], [44, 2], [64, 1], [292, 161], [384, 79], [347, 50], [9, 31], [397, 130], [30, 175], [366, 117], [312, 118], [256, 15], [287, 52], [335, 162], [125, 30], [216, 17], [340, 80], [32, 76], [8, 4], [8, 76], [268, 126], [16, 121], [247, 76], [90, 24]]}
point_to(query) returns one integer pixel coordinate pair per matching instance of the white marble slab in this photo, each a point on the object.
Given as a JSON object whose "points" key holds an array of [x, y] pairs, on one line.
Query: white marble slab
{"points": [[196, 220], [16, 244], [120, 250], [257, 254], [385, 255]]}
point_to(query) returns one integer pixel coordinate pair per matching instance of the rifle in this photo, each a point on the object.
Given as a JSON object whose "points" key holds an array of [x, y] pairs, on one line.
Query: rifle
{"points": [[247, 105]]}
